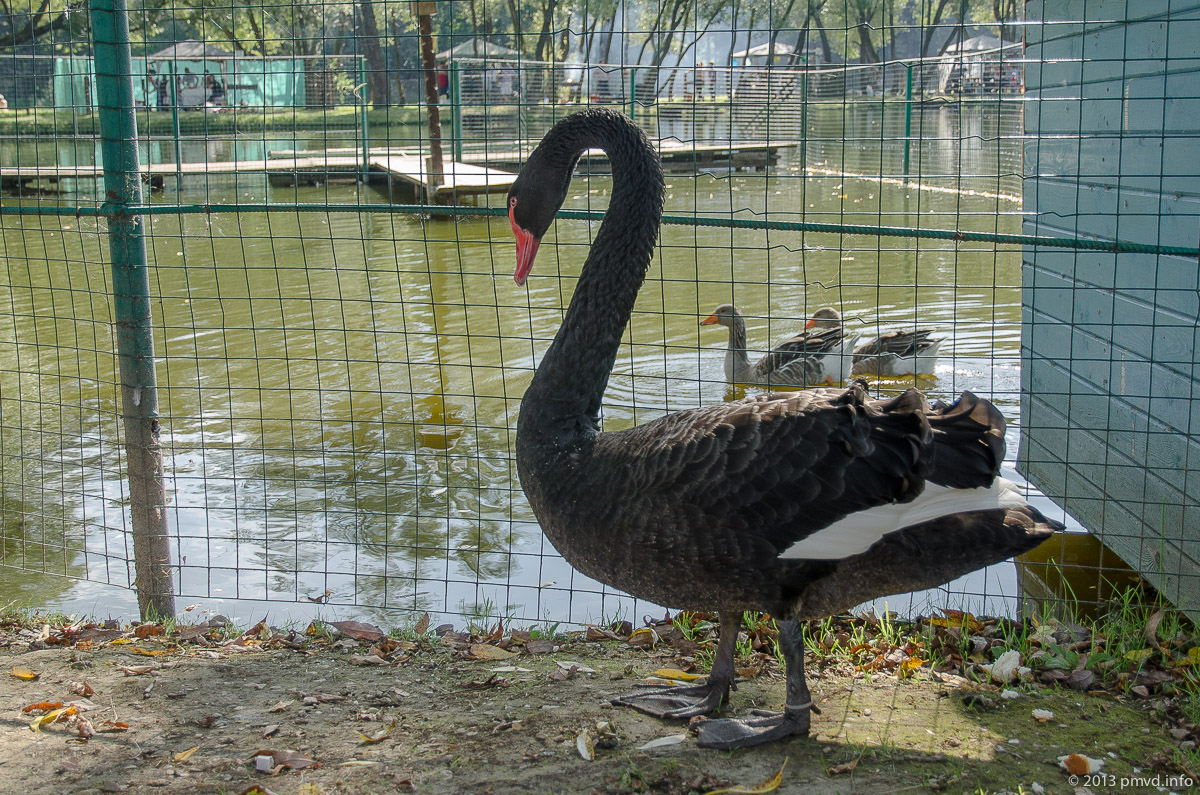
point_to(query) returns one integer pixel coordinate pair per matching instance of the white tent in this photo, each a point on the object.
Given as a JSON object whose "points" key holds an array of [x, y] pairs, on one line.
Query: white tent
{"points": [[477, 47]]}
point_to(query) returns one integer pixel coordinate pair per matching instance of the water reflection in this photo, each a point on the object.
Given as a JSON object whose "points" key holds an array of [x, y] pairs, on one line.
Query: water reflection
{"points": [[339, 390]]}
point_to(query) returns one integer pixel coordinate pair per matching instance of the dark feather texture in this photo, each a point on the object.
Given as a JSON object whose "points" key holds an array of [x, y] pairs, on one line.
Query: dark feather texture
{"points": [[694, 509]]}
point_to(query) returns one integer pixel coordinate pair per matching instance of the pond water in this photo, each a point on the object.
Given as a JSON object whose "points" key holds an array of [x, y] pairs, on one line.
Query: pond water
{"points": [[339, 390]]}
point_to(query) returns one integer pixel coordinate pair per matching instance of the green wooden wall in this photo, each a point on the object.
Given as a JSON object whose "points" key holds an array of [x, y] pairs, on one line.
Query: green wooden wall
{"points": [[1110, 372]]}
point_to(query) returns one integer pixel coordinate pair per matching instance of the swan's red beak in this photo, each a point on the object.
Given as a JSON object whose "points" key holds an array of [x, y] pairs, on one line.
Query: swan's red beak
{"points": [[527, 246]]}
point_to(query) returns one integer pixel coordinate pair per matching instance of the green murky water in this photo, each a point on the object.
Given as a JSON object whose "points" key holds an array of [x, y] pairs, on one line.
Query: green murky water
{"points": [[339, 390]]}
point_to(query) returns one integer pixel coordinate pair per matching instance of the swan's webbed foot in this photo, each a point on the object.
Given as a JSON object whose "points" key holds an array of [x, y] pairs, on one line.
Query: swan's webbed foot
{"points": [[678, 702], [729, 733], [687, 702]]}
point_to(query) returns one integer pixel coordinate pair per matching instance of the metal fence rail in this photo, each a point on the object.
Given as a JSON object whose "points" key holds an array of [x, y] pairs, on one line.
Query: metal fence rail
{"points": [[338, 356]]}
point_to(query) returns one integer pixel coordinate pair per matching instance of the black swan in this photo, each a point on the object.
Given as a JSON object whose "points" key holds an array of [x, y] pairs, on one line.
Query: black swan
{"points": [[799, 504], [893, 353], [811, 358]]}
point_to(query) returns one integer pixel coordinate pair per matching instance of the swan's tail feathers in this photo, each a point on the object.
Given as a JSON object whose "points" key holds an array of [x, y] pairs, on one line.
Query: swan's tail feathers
{"points": [[921, 556], [968, 443]]}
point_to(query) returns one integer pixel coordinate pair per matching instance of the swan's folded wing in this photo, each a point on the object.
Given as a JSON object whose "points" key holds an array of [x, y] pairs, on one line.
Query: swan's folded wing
{"points": [[777, 466]]}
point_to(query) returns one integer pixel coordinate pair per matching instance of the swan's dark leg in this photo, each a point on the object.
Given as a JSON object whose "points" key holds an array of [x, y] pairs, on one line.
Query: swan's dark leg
{"points": [[737, 733], [686, 702]]}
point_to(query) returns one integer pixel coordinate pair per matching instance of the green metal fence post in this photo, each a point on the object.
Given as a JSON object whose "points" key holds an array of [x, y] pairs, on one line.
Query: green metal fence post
{"points": [[908, 83], [456, 103], [131, 308], [633, 92], [803, 118], [175, 128], [363, 119]]}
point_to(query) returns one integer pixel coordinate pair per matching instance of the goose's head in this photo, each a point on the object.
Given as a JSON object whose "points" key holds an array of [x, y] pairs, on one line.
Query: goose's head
{"points": [[824, 318], [723, 315]]}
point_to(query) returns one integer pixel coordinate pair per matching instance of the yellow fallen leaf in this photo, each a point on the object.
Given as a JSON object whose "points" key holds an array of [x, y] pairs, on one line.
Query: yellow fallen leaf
{"points": [[367, 739], [149, 652], [482, 651], [1191, 658], [25, 674], [674, 673], [51, 716], [770, 785], [1138, 655], [183, 756]]}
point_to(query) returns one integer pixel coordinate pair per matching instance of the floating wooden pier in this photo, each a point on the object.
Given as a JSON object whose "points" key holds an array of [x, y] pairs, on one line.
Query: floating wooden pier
{"points": [[403, 170], [458, 180]]}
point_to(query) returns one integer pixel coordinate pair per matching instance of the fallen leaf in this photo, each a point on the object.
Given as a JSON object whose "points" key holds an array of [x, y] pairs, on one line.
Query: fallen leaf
{"points": [[675, 673], [482, 651], [663, 742], [491, 681], [183, 756], [770, 785], [138, 670], [256, 789], [845, 767], [81, 689], [25, 675], [585, 746], [644, 638], [539, 647], [1043, 715], [44, 706], [281, 706], [1191, 658], [563, 674], [578, 666], [367, 739], [84, 728], [1138, 655], [115, 726], [366, 659], [358, 630], [146, 630], [270, 730], [1151, 632], [50, 717], [422, 625]]}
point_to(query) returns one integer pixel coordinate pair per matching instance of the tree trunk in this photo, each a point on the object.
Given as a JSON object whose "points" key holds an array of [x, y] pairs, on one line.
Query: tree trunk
{"points": [[378, 77]]}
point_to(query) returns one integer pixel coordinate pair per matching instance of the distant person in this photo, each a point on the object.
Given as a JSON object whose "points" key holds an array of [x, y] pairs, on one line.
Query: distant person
{"points": [[508, 78], [3, 103], [443, 81], [600, 82], [216, 91]]}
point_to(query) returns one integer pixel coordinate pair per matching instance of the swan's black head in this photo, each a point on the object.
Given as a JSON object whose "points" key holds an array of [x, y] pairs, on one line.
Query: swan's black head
{"points": [[533, 201]]}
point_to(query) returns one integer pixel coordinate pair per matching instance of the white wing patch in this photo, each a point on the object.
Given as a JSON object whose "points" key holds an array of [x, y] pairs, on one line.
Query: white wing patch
{"points": [[857, 532]]}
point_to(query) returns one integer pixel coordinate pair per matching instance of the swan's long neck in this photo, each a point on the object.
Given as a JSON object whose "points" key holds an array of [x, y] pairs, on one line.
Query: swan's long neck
{"points": [[566, 392]]}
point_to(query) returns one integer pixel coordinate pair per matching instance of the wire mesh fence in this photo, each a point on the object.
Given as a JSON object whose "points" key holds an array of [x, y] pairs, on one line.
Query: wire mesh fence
{"points": [[339, 352]]}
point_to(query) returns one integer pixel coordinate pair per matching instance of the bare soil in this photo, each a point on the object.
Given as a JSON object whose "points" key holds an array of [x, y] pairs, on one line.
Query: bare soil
{"points": [[460, 726]]}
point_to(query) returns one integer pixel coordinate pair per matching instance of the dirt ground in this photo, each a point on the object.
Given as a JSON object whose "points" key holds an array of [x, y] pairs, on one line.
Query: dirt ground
{"points": [[198, 715]]}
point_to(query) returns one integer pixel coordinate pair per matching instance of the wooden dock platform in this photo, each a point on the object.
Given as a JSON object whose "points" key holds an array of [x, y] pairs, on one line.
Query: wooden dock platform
{"points": [[459, 180], [481, 171]]}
